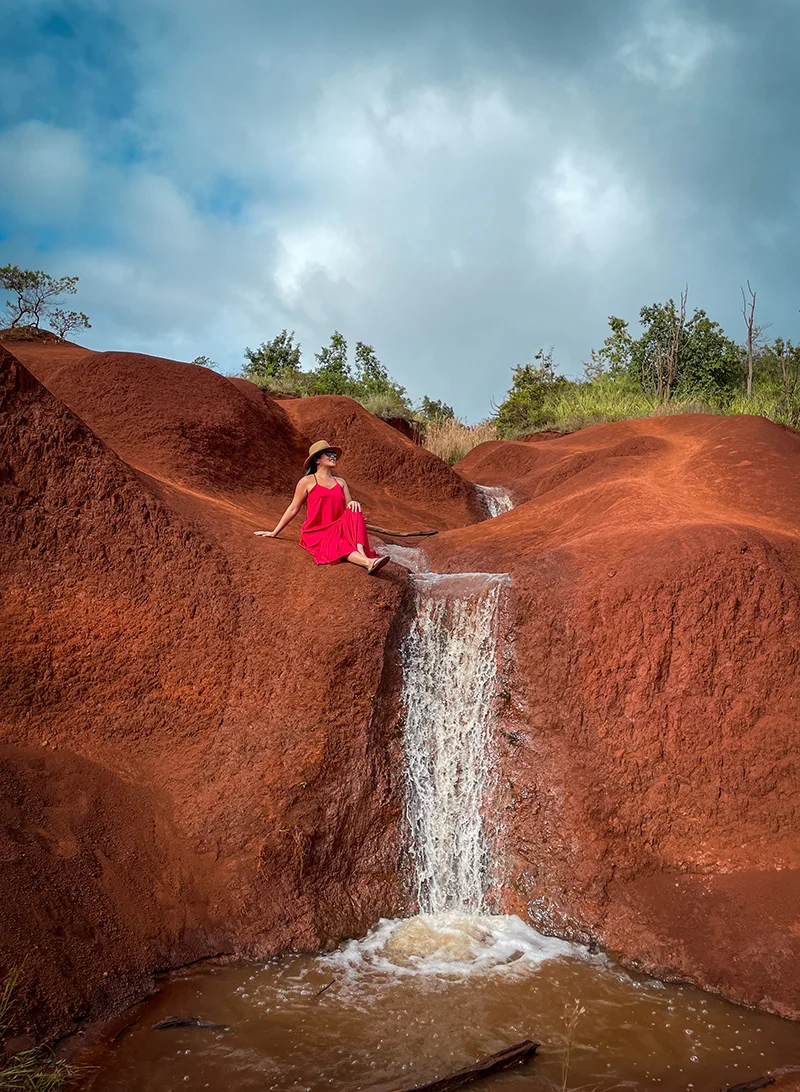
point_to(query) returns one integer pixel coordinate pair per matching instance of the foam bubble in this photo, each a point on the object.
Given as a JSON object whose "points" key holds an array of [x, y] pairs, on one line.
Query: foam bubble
{"points": [[450, 944]]}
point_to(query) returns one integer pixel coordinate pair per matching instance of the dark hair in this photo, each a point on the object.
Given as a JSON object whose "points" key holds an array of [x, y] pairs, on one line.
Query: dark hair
{"points": [[312, 466]]}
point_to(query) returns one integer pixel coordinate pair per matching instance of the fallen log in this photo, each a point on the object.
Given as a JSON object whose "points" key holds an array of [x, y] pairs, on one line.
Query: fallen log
{"points": [[188, 1022], [751, 1086], [399, 534], [504, 1059]]}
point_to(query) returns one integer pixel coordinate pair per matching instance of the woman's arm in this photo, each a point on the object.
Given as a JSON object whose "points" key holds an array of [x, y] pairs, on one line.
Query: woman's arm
{"points": [[350, 502], [300, 494]]}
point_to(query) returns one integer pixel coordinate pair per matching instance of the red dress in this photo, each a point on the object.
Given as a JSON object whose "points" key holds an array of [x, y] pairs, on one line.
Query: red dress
{"points": [[332, 530]]}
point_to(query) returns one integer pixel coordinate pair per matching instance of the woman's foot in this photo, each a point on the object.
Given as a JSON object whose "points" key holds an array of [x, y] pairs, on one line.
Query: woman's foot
{"points": [[377, 563]]}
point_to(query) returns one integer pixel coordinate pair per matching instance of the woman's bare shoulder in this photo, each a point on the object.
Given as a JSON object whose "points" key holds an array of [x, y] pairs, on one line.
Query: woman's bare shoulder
{"points": [[306, 482]]}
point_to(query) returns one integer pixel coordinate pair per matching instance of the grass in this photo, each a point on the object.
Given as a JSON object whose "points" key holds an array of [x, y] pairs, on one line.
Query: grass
{"points": [[385, 406], [36, 1069], [451, 439], [567, 409]]}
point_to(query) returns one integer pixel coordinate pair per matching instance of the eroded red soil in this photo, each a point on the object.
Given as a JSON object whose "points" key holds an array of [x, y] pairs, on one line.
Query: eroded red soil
{"points": [[654, 798], [200, 748]]}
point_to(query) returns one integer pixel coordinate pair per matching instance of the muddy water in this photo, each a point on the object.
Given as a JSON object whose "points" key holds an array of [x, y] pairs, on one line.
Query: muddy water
{"points": [[422, 998]]}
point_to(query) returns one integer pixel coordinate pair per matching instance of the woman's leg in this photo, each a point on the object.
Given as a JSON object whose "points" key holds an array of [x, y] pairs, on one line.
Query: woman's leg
{"points": [[359, 525], [368, 563], [359, 559]]}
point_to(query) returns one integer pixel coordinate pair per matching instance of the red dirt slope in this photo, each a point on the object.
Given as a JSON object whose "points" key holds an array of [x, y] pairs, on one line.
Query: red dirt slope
{"points": [[195, 753], [385, 465], [199, 730], [179, 422], [654, 784], [190, 427]]}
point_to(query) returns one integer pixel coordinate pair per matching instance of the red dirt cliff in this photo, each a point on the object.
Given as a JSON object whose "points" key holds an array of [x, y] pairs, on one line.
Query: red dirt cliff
{"points": [[199, 729], [653, 794], [198, 751]]}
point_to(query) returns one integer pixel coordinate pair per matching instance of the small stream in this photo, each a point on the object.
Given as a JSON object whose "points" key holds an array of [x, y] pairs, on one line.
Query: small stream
{"points": [[424, 996]]}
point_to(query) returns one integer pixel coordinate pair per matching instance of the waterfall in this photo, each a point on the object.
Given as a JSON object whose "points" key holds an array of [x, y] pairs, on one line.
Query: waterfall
{"points": [[448, 674], [496, 499]]}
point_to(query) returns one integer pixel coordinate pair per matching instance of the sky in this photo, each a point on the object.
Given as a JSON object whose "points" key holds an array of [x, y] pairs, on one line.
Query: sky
{"points": [[456, 182]]}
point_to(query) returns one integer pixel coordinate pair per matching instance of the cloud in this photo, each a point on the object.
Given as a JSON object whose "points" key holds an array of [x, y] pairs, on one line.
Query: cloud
{"points": [[45, 172], [673, 47], [455, 185]]}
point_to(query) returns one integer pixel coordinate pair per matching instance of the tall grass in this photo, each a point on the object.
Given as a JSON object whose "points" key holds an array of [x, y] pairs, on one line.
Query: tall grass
{"points": [[568, 408], [34, 1070], [451, 439]]}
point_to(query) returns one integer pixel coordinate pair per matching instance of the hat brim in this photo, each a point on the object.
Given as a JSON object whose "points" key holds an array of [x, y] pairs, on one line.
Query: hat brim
{"points": [[330, 447]]}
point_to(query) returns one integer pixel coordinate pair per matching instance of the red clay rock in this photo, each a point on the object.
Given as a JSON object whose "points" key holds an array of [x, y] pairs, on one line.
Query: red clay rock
{"points": [[654, 799], [199, 729], [386, 465], [197, 738]]}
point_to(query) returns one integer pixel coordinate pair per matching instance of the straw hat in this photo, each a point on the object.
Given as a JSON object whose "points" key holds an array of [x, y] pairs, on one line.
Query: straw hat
{"points": [[319, 446]]}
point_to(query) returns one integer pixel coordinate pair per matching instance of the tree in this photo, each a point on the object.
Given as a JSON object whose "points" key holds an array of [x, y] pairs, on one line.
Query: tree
{"points": [[372, 379], [656, 355], [333, 374], [204, 362], [679, 355], [37, 295], [710, 364], [613, 359], [525, 404], [754, 333], [779, 368], [436, 410], [64, 322], [370, 374], [271, 359]]}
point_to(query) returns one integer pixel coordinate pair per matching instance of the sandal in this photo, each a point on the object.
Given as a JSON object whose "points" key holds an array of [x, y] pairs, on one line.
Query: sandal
{"points": [[378, 563]]}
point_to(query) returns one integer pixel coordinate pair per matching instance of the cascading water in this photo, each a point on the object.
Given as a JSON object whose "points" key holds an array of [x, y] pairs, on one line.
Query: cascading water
{"points": [[448, 671], [421, 997], [496, 499]]}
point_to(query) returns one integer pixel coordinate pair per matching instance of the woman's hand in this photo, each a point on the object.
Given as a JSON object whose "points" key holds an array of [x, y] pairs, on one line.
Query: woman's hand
{"points": [[355, 506], [266, 534]]}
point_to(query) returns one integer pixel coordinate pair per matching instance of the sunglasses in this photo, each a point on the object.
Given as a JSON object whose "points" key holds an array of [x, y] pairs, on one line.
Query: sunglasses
{"points": [[330, 454]]}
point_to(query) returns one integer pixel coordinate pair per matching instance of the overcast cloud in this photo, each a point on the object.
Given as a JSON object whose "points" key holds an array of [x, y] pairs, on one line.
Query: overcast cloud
{"points": [[457, 183]]}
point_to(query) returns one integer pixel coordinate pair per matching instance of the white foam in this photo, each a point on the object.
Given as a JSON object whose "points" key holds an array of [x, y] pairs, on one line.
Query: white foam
{"points": [[451, 944], [496, 499]]}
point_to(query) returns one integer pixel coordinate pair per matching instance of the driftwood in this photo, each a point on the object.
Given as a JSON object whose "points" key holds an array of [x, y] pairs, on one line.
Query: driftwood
{"points": [[327, 986], [504, 1059], [399, 534], [188, 1022], [751, 1086]]}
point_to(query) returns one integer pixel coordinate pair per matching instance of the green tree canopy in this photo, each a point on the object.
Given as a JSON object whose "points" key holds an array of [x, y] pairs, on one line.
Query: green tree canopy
{"points": [[524, 405], [333, 373], [272, 359], [435, 410]]}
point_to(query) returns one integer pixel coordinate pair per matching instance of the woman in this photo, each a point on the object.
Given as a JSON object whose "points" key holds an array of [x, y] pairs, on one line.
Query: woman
{"points": [[334, 529]]}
